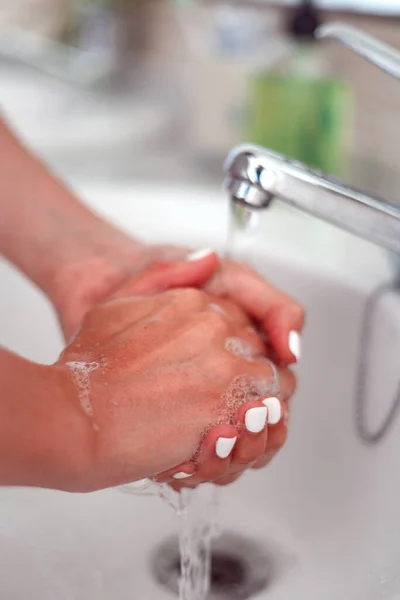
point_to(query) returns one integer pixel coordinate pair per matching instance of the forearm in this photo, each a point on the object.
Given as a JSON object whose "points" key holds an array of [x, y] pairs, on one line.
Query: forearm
{"points": [[44, 230], [43, 435]]}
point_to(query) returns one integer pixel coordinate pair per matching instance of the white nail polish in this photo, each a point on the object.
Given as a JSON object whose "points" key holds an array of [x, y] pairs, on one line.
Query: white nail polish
{"points": [[199, 254], [141, 483], [274, 410], [182, 475], [136, 486], [224, 446], [295, 344], [256, 419]]}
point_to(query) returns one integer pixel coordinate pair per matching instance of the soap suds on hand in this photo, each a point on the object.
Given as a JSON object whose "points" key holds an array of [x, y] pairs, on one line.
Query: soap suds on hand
{"points": [[80, 373]]}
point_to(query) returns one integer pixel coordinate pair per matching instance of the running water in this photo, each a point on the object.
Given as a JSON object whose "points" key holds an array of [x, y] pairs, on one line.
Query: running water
{"points": [[197, 511], [242, 228]]}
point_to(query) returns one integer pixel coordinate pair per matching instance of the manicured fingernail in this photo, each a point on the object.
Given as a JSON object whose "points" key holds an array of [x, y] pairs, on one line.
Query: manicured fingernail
{"points": [[295, 344], [274, 410], [136, 486], [141, 483], [182, 475], [199, 254], [224, 446], [256, 419]]}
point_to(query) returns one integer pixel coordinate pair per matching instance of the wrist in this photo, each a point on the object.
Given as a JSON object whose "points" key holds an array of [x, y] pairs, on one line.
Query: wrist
{"points": [[45, 441], [92, 273], [70, 435]]}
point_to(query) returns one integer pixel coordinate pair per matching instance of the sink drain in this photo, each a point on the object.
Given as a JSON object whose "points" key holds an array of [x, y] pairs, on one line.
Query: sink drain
{"points": [[240, 567]]}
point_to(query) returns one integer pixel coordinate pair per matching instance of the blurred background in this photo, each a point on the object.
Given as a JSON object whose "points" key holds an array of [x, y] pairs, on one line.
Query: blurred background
{"points": [[162, 89]]}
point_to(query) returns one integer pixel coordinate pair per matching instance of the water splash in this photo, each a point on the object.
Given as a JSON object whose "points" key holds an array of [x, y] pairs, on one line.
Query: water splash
{"points": [[197, 511]]}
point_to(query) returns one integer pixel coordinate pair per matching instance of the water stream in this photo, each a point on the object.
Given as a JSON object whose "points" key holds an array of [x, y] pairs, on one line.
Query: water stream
{"points": [[242, 227], [197, 511]]}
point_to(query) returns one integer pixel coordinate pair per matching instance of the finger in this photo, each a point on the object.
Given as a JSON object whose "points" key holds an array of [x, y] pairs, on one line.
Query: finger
{"points": [[277, 413], [230, 310], [284, 328], [262, 379], [228, 479], [213, 460], [216, 453], [269, 349], [265, 459], [277, 431], [193, 272], [277, 435], [252, 421], [181, 473], [281, 316]]}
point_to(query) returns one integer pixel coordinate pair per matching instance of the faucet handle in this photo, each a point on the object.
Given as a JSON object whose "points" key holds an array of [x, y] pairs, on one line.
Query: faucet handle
{"points": [[382, 55]]}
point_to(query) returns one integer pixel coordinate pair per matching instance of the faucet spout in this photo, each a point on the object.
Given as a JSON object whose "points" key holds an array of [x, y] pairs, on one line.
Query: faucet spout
{"points": [[374, 51], [255, 176]]}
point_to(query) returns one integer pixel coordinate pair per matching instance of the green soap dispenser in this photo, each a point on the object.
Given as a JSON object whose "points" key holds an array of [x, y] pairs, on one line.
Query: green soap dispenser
{"points": [[300, 110]]}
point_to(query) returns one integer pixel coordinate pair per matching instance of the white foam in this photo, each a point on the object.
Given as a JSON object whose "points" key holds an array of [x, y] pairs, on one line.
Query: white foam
{"points": [[240, 348], [80, 372], [245, 388]]}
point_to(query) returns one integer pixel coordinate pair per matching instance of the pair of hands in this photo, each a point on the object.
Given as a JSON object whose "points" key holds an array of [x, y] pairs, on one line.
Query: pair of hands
{"points": [[174, 363]]}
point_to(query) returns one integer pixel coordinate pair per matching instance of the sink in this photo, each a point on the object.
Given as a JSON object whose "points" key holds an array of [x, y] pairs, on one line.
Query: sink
{"points": [[84, 130], [326, 511]]}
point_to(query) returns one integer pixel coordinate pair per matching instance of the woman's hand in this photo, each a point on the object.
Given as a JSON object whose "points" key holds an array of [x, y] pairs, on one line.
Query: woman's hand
{"points": [[166, 275], [280, 318], [143, 391], [172, 383]]}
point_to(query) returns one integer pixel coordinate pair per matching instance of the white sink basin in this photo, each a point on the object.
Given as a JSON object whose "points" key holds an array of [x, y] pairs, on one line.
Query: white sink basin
{"points": [[60, 120], [327, 508]]}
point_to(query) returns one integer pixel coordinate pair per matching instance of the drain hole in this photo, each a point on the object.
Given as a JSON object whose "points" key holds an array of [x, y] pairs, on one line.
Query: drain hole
{"points": [[240, 567], [226, 571]]}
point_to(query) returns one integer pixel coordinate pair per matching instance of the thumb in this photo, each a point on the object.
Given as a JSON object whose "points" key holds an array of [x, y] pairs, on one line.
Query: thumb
{"points": [[195, 271]]}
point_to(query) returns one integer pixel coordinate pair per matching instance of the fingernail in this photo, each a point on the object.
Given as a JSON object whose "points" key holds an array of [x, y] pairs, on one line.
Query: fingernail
{"points": [[199, 254], [182, 475], [136, 486], [141, 483], [256, 419], [295, 344], [274, 410], [224, 446]]}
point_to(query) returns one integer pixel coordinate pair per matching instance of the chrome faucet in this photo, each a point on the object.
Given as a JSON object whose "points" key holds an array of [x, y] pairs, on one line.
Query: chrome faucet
{"points": [[255, 177]]}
